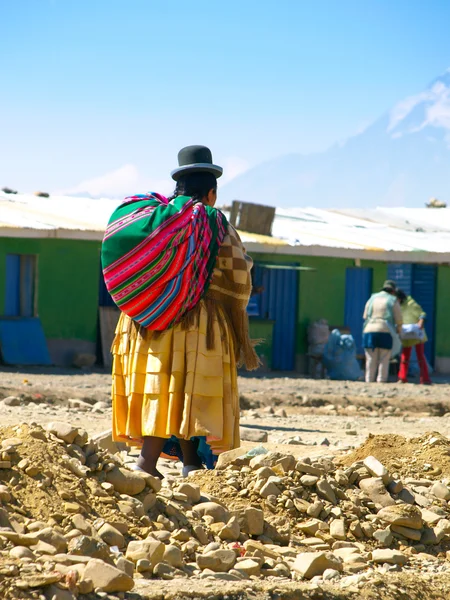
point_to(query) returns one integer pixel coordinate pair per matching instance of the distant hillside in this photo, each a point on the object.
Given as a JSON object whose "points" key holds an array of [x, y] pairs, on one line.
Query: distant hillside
{"points": [[401, 160]]}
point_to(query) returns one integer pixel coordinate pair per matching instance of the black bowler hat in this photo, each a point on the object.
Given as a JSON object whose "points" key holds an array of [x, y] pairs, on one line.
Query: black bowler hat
{"points": [[195, 159]]}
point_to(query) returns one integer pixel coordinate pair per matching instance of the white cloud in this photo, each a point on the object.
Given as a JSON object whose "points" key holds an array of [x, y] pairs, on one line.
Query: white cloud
{"points": [[124, 181], [114, 183], [127, 180], [402, 109], [232, 167], [364, 126], [361, 128], [439, 113]]}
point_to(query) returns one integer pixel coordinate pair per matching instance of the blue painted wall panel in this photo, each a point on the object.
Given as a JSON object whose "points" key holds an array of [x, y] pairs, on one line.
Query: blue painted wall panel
{"points": [[279, 302], [358, 289], [419, 281], [22, 342], [401, 273], [424, 292]]}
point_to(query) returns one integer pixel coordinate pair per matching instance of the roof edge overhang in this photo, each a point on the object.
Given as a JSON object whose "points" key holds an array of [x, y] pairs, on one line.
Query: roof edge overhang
{"points": [[413, 256], [64, 234]]}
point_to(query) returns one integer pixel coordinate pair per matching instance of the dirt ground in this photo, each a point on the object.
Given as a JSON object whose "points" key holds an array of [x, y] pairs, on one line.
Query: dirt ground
{"points": [[392, 587], [338, 416], [342, 414]]}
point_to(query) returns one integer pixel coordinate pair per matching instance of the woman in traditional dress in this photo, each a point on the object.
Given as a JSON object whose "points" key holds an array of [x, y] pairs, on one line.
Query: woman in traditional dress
{"points": [[181, 277], [413, 336]]}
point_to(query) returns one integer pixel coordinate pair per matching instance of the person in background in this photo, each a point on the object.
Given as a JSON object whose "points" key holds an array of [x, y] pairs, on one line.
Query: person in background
{"points": [[383, 321], [416, 337]]}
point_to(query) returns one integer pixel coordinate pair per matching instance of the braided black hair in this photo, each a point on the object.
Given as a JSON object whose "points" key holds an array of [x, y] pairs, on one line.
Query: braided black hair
{"points": [[401, 296], [197, 185]]}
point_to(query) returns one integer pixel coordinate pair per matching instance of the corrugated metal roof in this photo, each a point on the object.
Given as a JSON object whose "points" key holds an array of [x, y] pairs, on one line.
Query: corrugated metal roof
{"points": [[56, 212], [268, 240], [380, 230], [377, 230], [412, 219]]}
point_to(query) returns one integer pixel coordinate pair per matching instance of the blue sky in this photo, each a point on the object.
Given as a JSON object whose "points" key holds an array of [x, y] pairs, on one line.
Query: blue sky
{"points": [[99, 95]]}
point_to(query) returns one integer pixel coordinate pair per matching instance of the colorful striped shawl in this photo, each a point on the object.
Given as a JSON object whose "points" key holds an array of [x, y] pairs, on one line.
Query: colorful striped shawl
{"points": [[158, 256]]}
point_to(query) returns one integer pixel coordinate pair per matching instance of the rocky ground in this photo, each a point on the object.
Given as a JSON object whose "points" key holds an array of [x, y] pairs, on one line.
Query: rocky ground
{"points": [[282, 408], [340, 490]]}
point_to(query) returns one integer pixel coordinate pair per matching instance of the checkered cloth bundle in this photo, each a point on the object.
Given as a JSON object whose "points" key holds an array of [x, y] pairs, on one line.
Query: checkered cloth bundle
{"points": [[231, 287]]}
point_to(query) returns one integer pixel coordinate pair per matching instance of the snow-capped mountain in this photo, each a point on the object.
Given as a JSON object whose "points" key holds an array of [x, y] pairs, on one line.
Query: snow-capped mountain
{"points": [[402, 159]]}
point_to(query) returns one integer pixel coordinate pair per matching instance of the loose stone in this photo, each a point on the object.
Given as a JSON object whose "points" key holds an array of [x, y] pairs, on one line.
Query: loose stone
{"points": [[310, 564]]}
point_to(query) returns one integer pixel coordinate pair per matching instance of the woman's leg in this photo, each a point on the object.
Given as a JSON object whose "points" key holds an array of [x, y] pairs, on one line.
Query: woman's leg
{"points": [[377, 363], [371, 365], [424, 374], [404, 364], [150, 452], [190, 454], [383, 369]]}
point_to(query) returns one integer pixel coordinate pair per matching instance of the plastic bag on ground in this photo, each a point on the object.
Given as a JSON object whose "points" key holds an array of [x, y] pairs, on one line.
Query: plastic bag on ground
{"points": [[339, 357]]}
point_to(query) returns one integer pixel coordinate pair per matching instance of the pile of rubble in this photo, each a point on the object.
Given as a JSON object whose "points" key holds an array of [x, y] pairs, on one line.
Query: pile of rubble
{"points": [[409, 457], [334, 518], [75, 521]]}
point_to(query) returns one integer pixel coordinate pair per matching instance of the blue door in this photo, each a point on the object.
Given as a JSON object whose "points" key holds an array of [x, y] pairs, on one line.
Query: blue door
{"points": [[12, 297], [278, 301], [358, 289], [22, 339], [20, 284], [419, 281]]}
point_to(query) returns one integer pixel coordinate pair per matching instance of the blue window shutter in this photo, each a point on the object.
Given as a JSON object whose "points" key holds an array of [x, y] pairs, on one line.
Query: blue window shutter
{"points": [[424, 292], [402, 274], [12, 299], [358, 289], [20, 285], [419, 281], [279, 302]]}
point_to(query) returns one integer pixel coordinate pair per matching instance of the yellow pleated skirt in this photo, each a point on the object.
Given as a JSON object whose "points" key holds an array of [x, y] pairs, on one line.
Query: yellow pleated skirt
{"points": [[171, 384]]}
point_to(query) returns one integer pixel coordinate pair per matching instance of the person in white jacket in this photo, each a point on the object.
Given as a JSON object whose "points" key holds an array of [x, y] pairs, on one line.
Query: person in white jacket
{"points": [[383, 321]]}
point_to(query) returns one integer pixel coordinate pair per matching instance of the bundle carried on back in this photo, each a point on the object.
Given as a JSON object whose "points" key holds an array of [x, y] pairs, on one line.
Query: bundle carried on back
{"points": [[158, 256], [161, 258]]}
